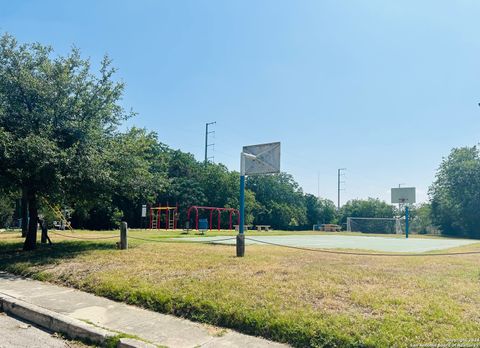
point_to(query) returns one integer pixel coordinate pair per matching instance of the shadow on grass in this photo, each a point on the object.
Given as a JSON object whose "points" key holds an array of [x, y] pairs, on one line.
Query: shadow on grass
{"points": [[32, 264], [12, 255]]}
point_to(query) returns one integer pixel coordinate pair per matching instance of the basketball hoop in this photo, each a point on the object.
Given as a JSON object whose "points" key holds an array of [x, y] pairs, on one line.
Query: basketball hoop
{"points": [[404, 196]]}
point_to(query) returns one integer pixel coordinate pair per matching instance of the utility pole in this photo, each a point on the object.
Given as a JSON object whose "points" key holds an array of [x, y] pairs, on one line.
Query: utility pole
{"points": [[207, 145], [318, 185], [339, 184]]}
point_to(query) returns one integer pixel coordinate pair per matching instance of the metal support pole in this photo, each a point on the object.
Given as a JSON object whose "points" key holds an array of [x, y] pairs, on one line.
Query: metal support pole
{"points": [[123, 236], [406, 221], [206, 140], [338, 190], [241, 235], [339, 185], [211, 216], [196, 219], [206, 144], [242, 204]]}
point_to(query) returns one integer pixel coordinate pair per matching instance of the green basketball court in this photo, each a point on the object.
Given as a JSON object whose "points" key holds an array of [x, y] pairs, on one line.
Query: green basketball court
{"points": [[384, 244]]}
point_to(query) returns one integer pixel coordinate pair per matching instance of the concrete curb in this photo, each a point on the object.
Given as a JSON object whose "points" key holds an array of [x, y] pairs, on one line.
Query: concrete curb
{"points": [[133, 343], [55, 322]]}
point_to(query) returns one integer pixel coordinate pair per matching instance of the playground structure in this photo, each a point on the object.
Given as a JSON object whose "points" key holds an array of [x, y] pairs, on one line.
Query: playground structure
{"points": [[219, 211], [170, 214], [63, 216]]}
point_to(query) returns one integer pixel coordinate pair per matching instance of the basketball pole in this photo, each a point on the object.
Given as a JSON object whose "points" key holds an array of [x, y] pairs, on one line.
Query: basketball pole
{"points": [[404, 196], [241, 227], [406, 221], [241, 235], [265, 161]]}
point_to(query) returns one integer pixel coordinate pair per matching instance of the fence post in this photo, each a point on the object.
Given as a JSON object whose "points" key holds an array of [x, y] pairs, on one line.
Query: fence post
{"points": [[123, 236]]}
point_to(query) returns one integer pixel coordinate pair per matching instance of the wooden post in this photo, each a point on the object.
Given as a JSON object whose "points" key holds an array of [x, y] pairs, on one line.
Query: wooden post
{"points": [[123, 236]]}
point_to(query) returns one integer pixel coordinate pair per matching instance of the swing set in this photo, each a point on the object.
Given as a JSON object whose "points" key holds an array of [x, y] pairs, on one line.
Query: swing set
{"points": [[219, 211]]}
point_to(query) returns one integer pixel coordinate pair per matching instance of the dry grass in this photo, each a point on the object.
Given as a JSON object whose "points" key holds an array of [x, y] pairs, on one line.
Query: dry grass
{"points": [[304, 298]]}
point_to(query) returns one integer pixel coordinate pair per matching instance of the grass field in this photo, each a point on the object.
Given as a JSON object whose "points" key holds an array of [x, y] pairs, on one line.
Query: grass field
{"points": [[300, 297]]}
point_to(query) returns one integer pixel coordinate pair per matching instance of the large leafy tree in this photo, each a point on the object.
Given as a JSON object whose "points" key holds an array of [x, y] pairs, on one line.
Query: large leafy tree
{"points": [[371, 207], [218, 184], [319, 210], [421, 219], [455, 194], [57, 121], [137, 164], [280, 199], [7, 209], [184, 188]]}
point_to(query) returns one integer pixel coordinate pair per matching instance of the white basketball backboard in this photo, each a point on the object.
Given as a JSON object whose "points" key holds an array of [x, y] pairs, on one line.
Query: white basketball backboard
{"points": [[262, 159], [403, 195]]}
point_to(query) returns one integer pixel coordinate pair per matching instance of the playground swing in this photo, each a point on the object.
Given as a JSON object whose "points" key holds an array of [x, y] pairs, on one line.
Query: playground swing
{"points": [[219, 210], [170, 216]]}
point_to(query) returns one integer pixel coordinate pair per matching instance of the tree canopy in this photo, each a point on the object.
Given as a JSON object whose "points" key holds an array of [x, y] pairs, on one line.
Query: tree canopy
{"points": [[60, 142], [371, 207], [455, 194], [57, 122]]}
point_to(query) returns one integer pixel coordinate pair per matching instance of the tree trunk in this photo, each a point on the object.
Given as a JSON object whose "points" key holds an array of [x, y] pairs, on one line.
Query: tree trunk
{"points": [[31, 240], [44, 235], [24, 208]]}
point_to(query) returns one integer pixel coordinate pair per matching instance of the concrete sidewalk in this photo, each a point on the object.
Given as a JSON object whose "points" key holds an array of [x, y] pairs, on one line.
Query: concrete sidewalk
{"points": [[156, 328]]}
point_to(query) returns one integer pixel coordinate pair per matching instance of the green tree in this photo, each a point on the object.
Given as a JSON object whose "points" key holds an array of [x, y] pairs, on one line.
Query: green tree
{"points": [[455, 193], [7, 209], [319, 210], [184, 187], [328, 211], [280, 199], [422, 219], [312, 204], [139, 172], [57, 121], [218, 184], [371, 207]]}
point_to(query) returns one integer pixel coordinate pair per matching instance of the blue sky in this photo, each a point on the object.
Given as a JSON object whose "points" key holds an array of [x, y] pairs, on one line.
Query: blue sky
{"points": [[383, 88]]}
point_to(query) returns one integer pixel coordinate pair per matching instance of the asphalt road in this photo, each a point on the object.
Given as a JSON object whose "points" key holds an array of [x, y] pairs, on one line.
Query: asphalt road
{"points": [[15, 334]]}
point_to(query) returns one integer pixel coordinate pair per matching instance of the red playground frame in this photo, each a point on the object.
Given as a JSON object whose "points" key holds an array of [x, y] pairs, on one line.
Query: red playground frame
{"points": [[212, 209]]}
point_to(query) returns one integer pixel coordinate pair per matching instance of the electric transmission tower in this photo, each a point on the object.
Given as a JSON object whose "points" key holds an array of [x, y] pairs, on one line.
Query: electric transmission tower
{"points": [[207, 143], [340, 174]]}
